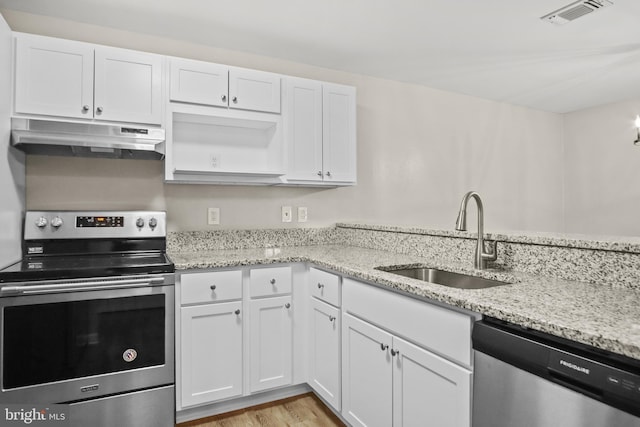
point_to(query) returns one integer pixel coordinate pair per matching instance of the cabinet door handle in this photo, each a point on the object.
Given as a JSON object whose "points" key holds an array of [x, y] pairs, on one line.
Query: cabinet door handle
{"points": [[224, 98], [99, 110], [237, 311], [332, 318], [320, 286], [213, 287], [329, 174], [85, 108], [235, 99], [287, 305], [394, 352], [383, 346], [319, 173], [272, 281]]}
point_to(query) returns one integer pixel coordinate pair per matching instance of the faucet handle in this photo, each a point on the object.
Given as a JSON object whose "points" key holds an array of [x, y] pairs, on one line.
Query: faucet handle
{"points": [[492, 254]]}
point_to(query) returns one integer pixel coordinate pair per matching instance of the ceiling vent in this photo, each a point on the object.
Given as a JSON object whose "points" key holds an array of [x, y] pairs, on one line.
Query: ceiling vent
{"points": [[575, 10]]}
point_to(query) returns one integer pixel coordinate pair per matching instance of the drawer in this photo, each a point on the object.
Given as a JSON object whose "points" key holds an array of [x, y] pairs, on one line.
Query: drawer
{"points": [[270, 281], [325, 286], [438, 329], [212, 286]]}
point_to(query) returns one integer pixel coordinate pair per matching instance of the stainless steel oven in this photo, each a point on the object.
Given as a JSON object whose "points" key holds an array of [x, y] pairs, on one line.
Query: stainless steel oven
{"points": [[90, 324]]}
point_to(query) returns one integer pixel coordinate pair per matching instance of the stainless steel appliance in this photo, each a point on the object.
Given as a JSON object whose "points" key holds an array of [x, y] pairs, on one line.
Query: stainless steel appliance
{"points": [[527, 378], [87, 318]]}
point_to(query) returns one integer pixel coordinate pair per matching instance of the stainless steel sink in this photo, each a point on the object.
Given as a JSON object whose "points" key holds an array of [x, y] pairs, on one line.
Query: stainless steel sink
{"points": [[446, 278]]}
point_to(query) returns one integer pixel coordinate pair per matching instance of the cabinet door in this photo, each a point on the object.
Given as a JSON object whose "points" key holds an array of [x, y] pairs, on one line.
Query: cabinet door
{"points": [[428, 390], [128, 86], [303, 129], [339, 132], [254, 90], [271, 348], [324, 352], [367, 384], [53, 77], [211, 352], [199, 82]]}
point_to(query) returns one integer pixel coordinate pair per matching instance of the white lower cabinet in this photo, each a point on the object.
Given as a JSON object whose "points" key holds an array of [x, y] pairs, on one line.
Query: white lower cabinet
{"points": [[367, 379], [271, 343], [211, 352], [324, 352]]}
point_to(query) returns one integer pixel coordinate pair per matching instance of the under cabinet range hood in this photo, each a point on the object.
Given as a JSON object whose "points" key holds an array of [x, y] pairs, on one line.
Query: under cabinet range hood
{"points": [[57, 138]]}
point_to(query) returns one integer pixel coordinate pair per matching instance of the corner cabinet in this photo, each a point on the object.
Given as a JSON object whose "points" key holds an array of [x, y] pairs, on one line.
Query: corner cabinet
{"points": [[90, 82], [320, 126]]}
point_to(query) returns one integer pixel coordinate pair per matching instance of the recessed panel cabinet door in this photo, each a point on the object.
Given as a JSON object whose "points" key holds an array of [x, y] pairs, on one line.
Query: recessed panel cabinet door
{"points": [[367, 385], [53, 77], [199, 82], [303, 128], [211, 353], [339, 132], [324, 352], [271, 342], [128, 86], [254, 90], [428, 390]]}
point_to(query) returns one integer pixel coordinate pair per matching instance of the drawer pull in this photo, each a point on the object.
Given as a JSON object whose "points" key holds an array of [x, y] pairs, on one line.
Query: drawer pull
{"points": [[394, 352], [320, 286], [332, 318], [383, 346], [287, 305], [237, 311], [212, 287], [272, 281]]}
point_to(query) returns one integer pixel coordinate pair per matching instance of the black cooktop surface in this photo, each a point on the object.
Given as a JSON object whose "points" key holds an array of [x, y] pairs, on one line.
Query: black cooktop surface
{"points": [[85, 266]]}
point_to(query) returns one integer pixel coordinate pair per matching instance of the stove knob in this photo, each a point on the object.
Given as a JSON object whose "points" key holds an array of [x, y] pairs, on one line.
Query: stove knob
{"points": [[153, 223], [56, 222], [41, 222], [140, 223]]}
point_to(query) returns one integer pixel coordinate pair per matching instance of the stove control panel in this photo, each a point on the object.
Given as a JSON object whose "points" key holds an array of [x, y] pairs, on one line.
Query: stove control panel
{"points": [[94, 224]]}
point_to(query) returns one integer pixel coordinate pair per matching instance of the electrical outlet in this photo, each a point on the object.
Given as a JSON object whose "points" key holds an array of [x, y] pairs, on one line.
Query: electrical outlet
{"points": [[286, 214], [302, 214], [215, 161], [213, 216]]}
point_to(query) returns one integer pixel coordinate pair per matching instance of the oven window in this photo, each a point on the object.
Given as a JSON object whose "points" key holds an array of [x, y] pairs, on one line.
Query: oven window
{"points": [[60, 341]]}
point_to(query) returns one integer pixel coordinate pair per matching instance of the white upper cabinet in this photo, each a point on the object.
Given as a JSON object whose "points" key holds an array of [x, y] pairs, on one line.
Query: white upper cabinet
{"points": [[53, 77], [303, 129], [217, 85], [128, 86], [320, 126], [199, 82], [254, 90], [339, 132], [63, 78]]}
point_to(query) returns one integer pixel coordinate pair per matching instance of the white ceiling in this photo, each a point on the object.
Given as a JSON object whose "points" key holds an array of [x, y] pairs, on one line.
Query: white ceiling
{"points": [[494, 49]]}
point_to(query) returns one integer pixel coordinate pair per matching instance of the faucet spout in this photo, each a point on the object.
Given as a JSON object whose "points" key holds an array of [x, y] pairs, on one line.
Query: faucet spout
{"points": [[481, 256]]}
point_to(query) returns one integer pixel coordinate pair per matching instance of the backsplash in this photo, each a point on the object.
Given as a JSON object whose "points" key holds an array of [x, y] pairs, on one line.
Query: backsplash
{"points": [[589, 261]]}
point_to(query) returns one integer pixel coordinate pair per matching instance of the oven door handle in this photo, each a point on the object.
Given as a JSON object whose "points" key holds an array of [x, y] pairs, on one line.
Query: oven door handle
{"points": [[82, 286]]}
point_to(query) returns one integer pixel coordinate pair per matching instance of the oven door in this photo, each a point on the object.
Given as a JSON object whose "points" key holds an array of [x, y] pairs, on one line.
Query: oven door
{"points": [[68, 345]]}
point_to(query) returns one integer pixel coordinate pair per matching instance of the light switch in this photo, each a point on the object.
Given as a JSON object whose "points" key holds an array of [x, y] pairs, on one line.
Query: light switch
{"points": [[213, 216], [302, 214]]}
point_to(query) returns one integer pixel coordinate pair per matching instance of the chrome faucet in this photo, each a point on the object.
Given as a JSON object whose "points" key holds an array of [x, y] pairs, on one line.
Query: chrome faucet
{"points": [[481, 257]]}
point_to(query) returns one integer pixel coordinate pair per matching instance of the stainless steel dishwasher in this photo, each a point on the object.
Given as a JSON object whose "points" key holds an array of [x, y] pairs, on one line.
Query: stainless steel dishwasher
{"points": [[525, 378]]}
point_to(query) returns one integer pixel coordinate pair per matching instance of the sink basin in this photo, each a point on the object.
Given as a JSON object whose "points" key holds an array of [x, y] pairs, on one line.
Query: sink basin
{"points": [[446, 278]]}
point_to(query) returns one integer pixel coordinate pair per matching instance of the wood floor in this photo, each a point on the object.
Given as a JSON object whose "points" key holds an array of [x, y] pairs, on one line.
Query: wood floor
{"points": [[299, 411]]}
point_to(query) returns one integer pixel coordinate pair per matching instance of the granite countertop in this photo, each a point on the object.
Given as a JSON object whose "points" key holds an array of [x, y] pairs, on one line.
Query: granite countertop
{"points": [[598, 315]]}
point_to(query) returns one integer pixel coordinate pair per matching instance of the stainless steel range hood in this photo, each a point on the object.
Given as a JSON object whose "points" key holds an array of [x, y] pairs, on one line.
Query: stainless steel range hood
{"points": [[56, 138]]}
